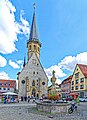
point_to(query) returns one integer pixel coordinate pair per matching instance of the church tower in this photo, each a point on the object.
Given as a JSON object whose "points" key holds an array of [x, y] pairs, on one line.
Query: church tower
{"points": [[32, 80], [33, 44]]}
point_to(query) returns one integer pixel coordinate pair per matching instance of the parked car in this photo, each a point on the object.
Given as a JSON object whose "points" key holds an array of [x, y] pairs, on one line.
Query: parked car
{"points": [[83, 99]]}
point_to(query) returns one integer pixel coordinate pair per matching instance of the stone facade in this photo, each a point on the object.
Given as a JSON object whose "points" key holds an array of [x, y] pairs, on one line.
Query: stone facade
{"points": [[53, 108]]}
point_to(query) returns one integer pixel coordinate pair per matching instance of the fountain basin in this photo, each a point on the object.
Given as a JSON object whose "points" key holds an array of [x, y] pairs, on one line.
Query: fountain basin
{"points": [[48, 107]]}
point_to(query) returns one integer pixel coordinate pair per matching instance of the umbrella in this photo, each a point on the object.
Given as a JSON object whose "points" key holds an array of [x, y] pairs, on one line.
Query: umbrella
{"points": [[9, 93]]}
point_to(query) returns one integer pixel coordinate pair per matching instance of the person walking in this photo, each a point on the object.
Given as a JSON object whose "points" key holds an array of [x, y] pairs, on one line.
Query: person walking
{"points": [[77, 100], [28, 99]]}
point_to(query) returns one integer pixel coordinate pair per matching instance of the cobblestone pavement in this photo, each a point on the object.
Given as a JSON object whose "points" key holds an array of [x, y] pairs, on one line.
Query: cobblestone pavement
{"points": [[25, 111]]}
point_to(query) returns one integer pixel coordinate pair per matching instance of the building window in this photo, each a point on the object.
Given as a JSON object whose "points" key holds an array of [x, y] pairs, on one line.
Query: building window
{"points": [[0, 88], [37, 72], [81, 86], [72, 82], [4, 88], [0, 84], [77, 81], [76, 87], [34, 73], [37, 80], [76, 75], [4, 84], [33, 83], [72, 88], [8, 88], [38, 49], [34, 47], [82, 80], [8, 84], [30, 47]]}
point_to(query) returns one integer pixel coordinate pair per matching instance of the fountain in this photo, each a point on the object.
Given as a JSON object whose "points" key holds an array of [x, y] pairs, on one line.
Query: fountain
{"points": [[51, 106]]}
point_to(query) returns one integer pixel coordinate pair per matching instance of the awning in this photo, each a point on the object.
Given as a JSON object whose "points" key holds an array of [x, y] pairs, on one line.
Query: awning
{"points": [[73, 94], [9, 93]]}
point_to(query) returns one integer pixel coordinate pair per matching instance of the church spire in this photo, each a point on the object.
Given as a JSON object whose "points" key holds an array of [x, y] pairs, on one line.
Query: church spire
{"points": [[33, 32], [33, 44]]}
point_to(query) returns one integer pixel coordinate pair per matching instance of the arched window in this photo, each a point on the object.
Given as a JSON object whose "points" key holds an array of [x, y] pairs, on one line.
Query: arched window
{"points": [[30, 47], [33, 83], [34, 47], [38, 49]]}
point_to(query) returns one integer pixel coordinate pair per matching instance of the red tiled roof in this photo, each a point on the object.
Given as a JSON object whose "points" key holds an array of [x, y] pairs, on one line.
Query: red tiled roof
{"points": [[4, 80], [67, 80], [83, 69]]}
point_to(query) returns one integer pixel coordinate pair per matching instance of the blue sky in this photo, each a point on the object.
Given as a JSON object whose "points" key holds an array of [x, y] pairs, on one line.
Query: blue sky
{"points": [[62, 30]]}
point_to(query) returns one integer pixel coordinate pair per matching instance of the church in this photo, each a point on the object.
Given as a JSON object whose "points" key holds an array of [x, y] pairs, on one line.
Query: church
{"points": [[32, 80]]}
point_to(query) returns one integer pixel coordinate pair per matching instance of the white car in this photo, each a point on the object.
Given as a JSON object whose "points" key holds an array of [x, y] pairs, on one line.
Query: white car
{"points": [[83, 99]]}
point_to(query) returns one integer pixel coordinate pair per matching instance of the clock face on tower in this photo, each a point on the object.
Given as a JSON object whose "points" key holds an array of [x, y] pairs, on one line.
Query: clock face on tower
{"points": [[34, 61]]}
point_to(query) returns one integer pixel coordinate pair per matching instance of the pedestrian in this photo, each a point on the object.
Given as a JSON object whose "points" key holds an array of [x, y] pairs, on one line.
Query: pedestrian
{"points": [[17, 100], [4, 100], [28, 99], [77, 100]]}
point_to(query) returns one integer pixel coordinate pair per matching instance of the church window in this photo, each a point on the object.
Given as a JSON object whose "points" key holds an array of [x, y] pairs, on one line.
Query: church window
{"points": [[30, 47], [33, 83], [37, 64], [37, 80], [38, 49], [34, 73], [34, 47], [37, 72], [23, 81]]}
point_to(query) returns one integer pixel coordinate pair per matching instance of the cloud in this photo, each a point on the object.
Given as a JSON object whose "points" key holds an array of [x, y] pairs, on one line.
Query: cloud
{"points": [[14, 64], [3, 61], [10, 28], [58, 73], [4, 75], [19, 61], [70, 62], [66, 64]]}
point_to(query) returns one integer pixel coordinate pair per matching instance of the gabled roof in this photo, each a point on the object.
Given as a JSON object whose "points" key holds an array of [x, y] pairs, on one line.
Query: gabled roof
{"points": [[39, 63], [67, 80], [83, 68]]}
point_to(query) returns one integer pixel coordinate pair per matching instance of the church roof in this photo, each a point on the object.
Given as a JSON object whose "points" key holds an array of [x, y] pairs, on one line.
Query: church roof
{"points": [[33, 32]]}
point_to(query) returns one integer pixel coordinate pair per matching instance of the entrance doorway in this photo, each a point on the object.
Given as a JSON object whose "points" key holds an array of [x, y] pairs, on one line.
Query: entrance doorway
{"points": [[33, 92]]}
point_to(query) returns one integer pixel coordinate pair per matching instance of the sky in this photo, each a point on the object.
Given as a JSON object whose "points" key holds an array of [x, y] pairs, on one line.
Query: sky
{"points": [[62, 30]]}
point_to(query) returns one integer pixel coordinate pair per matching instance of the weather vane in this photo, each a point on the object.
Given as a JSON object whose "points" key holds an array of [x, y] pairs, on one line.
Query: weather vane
{"points": [[34, 5]]}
